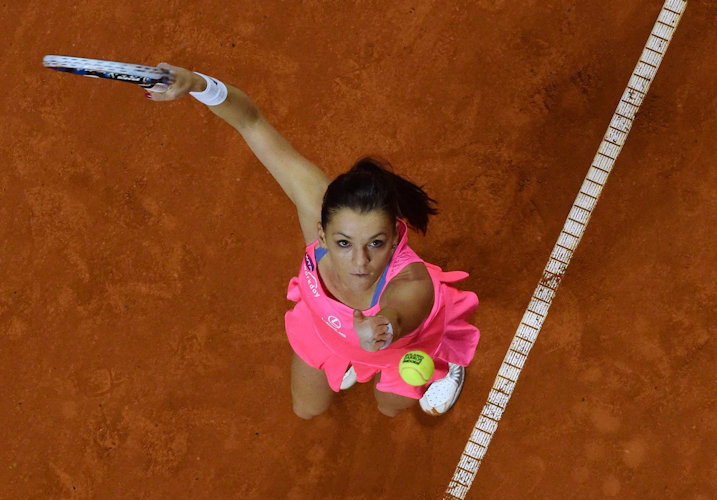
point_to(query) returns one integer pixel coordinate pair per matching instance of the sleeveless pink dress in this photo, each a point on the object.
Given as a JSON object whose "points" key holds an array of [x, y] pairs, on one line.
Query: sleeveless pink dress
{"points": [[320, 328]]}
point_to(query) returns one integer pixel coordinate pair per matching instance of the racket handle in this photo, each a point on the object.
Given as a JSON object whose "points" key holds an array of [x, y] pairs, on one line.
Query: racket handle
{"points": [[162, 85], [158, 88]]}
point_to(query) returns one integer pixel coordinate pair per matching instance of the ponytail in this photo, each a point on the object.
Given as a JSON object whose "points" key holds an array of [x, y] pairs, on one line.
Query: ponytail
{"points": [[370, 185]]}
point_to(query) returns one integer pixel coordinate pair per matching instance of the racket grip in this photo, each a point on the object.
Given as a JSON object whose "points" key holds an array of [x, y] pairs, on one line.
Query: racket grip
{"points": [[158, 87], [162, 85]]}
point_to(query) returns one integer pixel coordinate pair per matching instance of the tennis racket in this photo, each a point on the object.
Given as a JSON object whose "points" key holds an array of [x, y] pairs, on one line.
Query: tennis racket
{"points": [[148, 77]]}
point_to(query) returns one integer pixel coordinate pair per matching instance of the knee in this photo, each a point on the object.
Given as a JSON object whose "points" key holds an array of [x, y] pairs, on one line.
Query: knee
{"points": [[389, 411], [394, 406], [307, 412], [303, 413]]}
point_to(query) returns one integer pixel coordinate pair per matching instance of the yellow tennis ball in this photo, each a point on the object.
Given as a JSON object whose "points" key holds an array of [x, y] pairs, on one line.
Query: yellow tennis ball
{"points": [[416, 367]]}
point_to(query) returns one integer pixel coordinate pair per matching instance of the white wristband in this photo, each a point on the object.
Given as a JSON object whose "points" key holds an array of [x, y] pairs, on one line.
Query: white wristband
{"points": [[215, 93]]}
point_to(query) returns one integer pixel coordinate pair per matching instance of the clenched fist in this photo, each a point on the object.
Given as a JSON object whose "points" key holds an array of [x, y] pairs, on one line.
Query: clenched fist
{"points": [[373, 331]]}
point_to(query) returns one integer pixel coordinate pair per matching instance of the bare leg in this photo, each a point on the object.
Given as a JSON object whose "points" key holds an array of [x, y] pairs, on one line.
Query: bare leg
{"points": [[310, 391], [391, 404]]}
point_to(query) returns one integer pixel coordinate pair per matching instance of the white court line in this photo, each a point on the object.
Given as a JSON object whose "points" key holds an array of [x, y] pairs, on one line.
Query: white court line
{"points": [[568, 241]]}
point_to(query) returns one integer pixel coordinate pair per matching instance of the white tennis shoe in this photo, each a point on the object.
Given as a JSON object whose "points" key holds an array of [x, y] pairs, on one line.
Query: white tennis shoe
{"points": [[443, 393], [349, 378]]}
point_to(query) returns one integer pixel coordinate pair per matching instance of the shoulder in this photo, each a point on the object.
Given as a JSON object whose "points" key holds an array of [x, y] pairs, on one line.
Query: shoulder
{"points": [[415, 271], [412, 283]]}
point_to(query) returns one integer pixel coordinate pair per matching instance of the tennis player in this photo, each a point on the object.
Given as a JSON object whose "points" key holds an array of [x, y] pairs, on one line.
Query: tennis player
{"points": [[363, 297]]}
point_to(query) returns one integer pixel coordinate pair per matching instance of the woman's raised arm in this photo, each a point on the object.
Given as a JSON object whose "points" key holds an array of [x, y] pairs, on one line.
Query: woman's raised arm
{"points": [[302, 181]]}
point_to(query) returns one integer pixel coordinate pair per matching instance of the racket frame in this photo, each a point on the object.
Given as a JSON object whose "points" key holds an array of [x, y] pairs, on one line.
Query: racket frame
{"points": [[147, 77]]}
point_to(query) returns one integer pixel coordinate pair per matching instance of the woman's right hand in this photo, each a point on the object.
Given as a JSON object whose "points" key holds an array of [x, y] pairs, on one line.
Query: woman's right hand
{"points": [[185, 81]]}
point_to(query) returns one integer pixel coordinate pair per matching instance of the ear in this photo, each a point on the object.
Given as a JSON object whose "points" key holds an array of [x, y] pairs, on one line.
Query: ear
{"points": [[322, 234]]}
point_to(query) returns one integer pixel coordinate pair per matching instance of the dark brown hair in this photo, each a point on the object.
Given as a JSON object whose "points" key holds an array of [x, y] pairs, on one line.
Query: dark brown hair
{"points": [[370, 185]]}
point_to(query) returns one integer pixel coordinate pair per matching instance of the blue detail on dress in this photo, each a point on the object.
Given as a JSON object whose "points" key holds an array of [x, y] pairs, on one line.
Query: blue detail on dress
{"points": [[319, 252]]}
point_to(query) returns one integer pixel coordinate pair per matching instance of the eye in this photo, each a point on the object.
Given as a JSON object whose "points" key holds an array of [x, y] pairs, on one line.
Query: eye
{"points": [[377, 243], [343, 243]]}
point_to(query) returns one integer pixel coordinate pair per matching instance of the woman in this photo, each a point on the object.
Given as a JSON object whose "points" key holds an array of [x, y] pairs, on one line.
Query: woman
{"points": [[363, 297]]}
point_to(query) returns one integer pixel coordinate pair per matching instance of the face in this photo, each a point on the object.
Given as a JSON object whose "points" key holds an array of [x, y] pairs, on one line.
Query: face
{"points": [[360, 246]]}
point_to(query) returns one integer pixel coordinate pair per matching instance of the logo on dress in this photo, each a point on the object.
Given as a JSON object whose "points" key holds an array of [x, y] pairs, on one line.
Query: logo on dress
{"points": [[334, 323], [312, 282], [309, 262]]}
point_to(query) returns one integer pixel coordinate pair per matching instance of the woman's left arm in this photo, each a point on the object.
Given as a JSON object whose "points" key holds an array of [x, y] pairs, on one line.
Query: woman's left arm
{"points": [[408, 299]]}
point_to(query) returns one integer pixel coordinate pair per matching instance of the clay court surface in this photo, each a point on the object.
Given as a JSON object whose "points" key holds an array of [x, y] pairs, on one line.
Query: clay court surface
{"points": [[145, 252]]}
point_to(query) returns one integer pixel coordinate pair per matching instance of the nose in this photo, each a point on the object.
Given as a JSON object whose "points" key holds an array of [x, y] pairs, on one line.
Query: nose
{"points": [[360, 258]]}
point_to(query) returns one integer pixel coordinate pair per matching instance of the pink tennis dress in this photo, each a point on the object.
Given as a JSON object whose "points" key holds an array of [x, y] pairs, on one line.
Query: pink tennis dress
{"points": [[320, 328]]}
